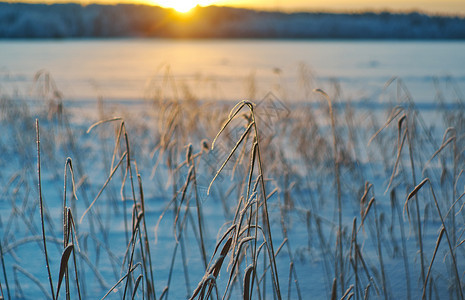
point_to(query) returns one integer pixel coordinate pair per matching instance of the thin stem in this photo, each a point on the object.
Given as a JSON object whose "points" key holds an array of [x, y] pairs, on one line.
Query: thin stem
{"points": [[41, 204]]}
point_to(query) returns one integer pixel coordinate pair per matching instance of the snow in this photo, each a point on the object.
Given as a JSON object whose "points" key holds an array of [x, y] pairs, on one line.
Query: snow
{"points": [[298, 156]]}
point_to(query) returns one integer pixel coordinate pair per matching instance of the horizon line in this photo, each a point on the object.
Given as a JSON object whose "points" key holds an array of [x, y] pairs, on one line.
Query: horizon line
{"points": [[263, 9]]}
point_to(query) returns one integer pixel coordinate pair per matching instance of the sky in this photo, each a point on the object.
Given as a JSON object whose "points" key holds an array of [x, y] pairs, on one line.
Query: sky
{"points": [[432, 6], [450, 7]]}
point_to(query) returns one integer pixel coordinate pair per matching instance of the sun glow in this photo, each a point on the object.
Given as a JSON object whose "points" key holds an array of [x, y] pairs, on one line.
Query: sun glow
{"points": [[182, 5]]}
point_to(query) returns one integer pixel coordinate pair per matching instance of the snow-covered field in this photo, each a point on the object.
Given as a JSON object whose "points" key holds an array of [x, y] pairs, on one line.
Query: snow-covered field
{"points": [[323, 183]]}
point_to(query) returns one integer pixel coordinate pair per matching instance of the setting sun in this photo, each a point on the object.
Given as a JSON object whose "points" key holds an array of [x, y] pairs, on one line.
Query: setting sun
{"points": [[182, 5]]}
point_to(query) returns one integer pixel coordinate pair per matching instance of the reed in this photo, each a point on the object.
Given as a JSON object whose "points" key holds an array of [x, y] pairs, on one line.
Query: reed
{"points": [[42, 212], [337, 184], [443, 228], [152, 191]]}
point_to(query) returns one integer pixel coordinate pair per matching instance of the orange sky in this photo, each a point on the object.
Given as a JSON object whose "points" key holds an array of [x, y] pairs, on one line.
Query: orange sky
{"points": [[455, 7], [432, 6]]}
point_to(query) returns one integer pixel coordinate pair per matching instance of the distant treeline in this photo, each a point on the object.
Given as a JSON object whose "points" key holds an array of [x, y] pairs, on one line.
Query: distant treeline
{"points": [[21, 20]]}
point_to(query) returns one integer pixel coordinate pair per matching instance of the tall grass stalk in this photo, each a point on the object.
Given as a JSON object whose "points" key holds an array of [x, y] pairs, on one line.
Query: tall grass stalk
{"points": [[41, 204], [150, 282], [451, 248], [380, 252], [398, 210], [337, 183], [423, 296], [260, 180], [404, 134]]}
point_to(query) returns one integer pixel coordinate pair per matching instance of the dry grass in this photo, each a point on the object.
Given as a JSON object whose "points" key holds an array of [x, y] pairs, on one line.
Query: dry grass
{"points": [[293, 193]]}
